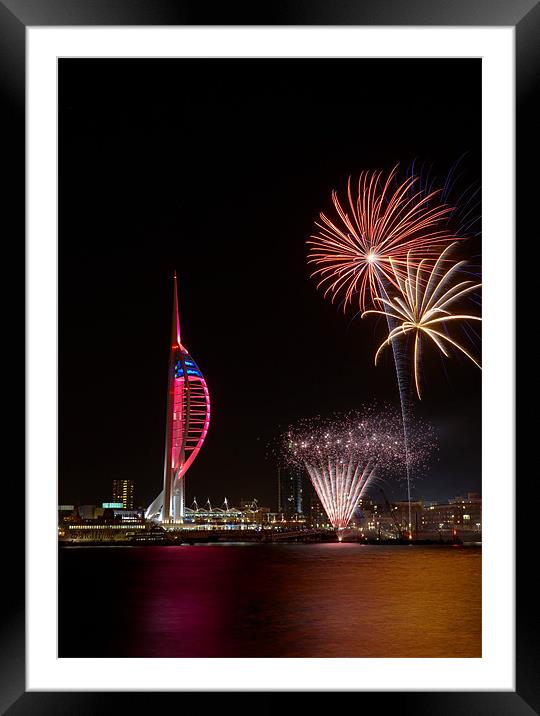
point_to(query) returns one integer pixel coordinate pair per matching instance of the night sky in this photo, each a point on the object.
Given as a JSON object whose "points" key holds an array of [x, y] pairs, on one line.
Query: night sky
{"points": [[218, 168]]}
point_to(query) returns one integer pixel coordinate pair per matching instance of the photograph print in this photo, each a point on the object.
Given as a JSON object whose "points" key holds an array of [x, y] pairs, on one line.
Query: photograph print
{"points": [[270, 358]]}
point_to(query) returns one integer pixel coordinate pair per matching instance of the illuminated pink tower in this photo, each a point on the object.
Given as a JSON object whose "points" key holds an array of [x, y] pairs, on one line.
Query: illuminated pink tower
{"points": [[188, 416]]}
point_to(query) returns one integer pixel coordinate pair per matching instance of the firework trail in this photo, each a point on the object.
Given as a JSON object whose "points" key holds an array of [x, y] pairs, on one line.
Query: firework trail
{"points": [[424, 307], [363, 253], [344, 455]]}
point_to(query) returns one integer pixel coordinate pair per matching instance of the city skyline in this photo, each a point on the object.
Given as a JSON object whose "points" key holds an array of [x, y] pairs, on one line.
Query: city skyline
{"points": [[300, 515], [294, 494]]}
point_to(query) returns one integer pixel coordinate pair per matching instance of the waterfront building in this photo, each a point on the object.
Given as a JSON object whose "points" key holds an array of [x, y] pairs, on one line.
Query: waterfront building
{"points": [[460, 514], [100, 531], [249, 513], [128, 515], [290, 491], [67, 513], [318, 519], [123, 491], [186, 425], [86, 512]]}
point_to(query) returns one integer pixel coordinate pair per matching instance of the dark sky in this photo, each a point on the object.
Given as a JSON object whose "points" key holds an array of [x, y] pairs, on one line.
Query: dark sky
{"points": [[218, 168]]}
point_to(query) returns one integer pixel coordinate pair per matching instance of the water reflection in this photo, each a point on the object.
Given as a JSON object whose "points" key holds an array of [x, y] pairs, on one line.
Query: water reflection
{"points": [[322, 600]]}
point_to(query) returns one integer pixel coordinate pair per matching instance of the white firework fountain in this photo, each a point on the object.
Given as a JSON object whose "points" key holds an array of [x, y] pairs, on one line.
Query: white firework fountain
{"points": [[345, 455]]}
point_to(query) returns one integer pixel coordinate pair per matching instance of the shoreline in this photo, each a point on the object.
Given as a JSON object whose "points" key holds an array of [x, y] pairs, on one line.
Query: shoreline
{"points": [[232, 542]]}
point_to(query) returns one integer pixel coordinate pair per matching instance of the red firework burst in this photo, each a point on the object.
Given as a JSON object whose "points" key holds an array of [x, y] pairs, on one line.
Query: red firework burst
{"points": [[387, 220]]}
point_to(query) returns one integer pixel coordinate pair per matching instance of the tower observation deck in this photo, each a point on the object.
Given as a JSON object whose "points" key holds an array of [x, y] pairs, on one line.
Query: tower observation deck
{"points": [[187, 420]]}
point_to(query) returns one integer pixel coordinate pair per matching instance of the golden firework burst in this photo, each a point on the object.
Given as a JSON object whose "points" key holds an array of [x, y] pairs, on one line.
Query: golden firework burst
{"points": [[424, 305]]}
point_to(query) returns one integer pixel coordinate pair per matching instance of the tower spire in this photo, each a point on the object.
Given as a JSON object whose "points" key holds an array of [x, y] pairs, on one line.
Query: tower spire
{"points": [[176, 316], [187, 420]]}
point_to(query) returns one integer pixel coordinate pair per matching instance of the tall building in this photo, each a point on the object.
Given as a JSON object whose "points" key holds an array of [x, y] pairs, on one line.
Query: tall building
{"points": [[290, 491], [187, 420], [122, 491]]}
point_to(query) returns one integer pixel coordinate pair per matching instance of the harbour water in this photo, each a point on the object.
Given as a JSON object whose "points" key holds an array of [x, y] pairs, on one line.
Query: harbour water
{"points": [[270, 600]]}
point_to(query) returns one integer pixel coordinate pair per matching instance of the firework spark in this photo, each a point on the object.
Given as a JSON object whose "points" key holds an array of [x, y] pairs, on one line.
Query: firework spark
{"points": [[343, 456], [424, 306], [360, 252]]}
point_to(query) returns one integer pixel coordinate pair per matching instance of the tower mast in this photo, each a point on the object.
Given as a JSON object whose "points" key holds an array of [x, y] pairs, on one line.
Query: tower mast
{"points": [[187, 420], [168, 467]]}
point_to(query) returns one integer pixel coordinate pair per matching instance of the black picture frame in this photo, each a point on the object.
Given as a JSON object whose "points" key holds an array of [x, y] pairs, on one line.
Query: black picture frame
{"points": [[15, 16]]}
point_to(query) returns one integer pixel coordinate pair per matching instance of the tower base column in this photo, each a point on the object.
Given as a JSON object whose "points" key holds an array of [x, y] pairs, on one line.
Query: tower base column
{"points": [[178, 503]]}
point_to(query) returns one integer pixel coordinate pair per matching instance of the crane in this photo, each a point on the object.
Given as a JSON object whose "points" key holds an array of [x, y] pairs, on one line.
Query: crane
{"points": [[399, 530]]}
